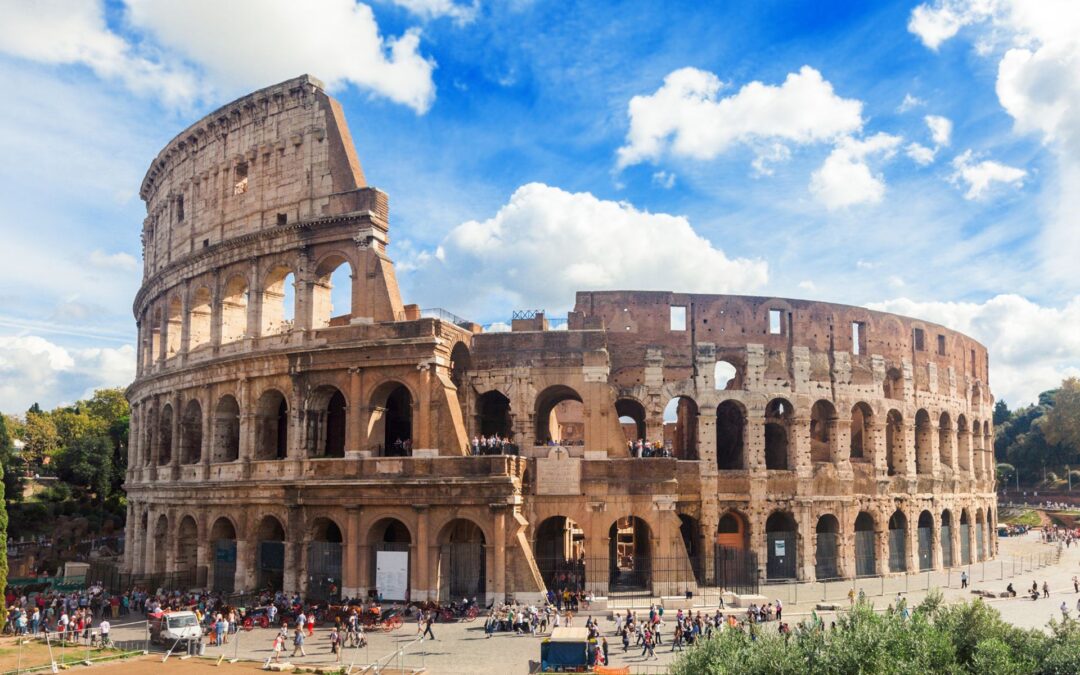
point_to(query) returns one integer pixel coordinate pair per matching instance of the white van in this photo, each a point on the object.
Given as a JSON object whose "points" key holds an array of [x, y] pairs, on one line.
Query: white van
{"points": [[168, 627]]}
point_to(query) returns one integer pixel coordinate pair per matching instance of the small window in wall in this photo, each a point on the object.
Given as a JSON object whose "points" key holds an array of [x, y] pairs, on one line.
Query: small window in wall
{"points": [[972, 361], [180, 208], [920, 340], [240, 179], [858, 338], [678, 317], [941, 345], [282, 218], [775, 322]]}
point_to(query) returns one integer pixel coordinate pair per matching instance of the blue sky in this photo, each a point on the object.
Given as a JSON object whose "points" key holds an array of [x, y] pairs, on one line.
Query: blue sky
{"points": [[910, 157]]}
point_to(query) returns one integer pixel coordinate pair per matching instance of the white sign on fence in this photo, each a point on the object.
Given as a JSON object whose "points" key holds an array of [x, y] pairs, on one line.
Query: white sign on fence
{"points": [[780, 546], [392, 574]]}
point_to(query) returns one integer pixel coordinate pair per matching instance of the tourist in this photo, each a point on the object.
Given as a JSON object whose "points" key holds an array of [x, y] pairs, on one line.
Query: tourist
{"points": [[1046, 590], [963, 579], [427, 625], [298, 640], [335, 643], [779, 609], [279, 646]]}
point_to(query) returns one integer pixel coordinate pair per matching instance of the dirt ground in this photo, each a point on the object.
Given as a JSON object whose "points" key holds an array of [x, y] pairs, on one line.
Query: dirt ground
{"points": [[36, 653]]}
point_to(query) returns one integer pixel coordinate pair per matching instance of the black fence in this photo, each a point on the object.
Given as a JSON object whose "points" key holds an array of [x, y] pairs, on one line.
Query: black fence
{"points": [[110, 577]]}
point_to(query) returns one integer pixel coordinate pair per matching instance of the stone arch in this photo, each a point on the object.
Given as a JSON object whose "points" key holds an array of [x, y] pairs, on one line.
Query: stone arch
{"points": [[945, 533], [925, 534], [963, 444], [965, 537], [150, 430], [153, 342], [631, 414], [823, 419], [327, 420], [893, 384], [726, 376], [272, 426], [270, 553], [782, 543], [324, 556], [160, 544], [865, 544], [779, 415], [827, 547], [680, 423], [559, 548], [895, 458], [226, 430], [493, 415], [234, 309], [560, 415], [898, 542], [629, 553], [175, 320], [191, 428], [462, 560], [862, 416], [980, 536], [186, 545], [389, 534], [223, 547], [391, 418], [733, 530], [334, 270], [460, 365], [945, 439], [730, 435], [199, 313], [165, 436], [279, 285], [923, 442]]}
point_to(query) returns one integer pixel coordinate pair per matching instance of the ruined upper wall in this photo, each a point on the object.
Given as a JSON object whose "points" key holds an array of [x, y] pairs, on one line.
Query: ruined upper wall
{"points": [[270, 158]]}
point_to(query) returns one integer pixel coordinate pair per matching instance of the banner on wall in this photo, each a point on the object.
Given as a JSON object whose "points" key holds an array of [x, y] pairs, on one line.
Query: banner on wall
{"points": [[392, 574]]}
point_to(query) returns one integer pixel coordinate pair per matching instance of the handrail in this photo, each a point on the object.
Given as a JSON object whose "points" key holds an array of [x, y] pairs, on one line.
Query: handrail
{"points": [[389, 657]]}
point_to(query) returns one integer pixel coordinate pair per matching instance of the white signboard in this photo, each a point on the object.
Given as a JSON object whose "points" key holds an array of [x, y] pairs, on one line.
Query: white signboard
{"points": [[558, 474], [392, 574], [780, 546]]}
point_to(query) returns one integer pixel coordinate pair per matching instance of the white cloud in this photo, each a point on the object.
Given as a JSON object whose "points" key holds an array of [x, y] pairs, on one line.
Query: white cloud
{"points": [[222, 48], [765, 157], [940, 129], [807, 285], [125, 262], [909, 103], [435, 9], [920, 154], [935, 25], [664, 179], [33, 369], [980, 176], [845, 179], [545, 244], [687, 117], [1032, 347], [866, 265]]}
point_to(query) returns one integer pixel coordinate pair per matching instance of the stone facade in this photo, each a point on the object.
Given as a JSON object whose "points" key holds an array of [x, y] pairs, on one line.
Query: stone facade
{"points": [[823, 440]]}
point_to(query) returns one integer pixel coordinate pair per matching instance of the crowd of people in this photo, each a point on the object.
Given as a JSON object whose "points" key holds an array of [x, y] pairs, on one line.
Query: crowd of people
{"points": [[643, 448], [493, 445], [69, 617]]}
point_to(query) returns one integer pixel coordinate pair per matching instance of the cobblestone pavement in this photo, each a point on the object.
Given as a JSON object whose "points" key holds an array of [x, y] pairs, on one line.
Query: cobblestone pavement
{"points": [[464, 648]]}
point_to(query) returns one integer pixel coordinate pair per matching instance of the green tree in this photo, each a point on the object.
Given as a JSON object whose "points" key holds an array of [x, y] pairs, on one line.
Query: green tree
{"points": [[1001, 413], [86, 463], [1061, 425], [11, 464], [41, 438]]}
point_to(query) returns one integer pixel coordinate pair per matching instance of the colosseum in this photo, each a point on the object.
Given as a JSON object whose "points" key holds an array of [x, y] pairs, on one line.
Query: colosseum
{"points": [[278, 440]]}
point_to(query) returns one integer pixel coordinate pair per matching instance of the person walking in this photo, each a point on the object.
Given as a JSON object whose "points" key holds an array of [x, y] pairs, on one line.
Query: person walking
{"points": [[298, 640], [779, 609], [279, 646], [335, 644], [427, 625], [604, 647], [1076, 584], [1046, 590], [963, 579]]}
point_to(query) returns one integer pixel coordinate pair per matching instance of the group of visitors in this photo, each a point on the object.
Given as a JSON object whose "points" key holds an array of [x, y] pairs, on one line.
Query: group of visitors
{"points": [[493, 445], [400, 448], [568, 595], [643, 448], [64, 616]]}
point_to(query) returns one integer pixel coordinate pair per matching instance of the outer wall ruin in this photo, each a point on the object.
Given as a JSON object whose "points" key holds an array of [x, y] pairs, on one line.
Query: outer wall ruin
{"points": [[276, 440]]}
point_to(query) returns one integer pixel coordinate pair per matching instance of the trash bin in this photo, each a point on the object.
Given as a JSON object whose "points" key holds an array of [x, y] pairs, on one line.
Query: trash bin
{"points": [[201, 647]]}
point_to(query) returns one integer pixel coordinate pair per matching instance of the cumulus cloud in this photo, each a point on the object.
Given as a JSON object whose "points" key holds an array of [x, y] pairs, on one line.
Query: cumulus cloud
{"points": [[920, 154], [34, 369], [940, 129], [124, 262], [935, 25], [687, 116], [981, 176], [203, 48], [845, 179], [1032, 347], [435, 9], [545, 244], [909, 103]]}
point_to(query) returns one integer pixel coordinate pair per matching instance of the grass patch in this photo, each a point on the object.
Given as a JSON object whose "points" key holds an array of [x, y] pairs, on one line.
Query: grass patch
{"points": [[1027, 517]]}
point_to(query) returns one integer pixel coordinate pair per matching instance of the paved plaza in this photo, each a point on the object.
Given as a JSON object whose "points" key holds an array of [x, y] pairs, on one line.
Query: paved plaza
{"points": [[464, 648]]}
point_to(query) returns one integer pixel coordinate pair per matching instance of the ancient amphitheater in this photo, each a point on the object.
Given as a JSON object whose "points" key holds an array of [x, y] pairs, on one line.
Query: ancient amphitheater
{"points": [[279, 440]]}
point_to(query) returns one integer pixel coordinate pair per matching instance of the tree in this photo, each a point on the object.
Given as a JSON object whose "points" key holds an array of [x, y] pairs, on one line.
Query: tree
{"points": [[10, 463], [1061, 425], [41, 438], [86, 463], [1001, 413]]}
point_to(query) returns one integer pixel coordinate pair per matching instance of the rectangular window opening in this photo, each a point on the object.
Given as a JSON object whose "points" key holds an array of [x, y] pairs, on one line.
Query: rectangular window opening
{"points": [[240, 179], [180, 208], [282, 219], [920, 343], [678, 317], [775, 319], [858, 338], [941, 345]]}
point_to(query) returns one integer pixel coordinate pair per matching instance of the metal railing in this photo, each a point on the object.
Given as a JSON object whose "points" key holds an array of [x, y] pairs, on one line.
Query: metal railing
{"points": [[395, 659], [52, 651]]}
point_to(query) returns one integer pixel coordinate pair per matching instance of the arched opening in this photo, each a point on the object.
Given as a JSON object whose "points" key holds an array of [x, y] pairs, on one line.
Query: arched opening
{"points": [[690, 531], [893, 384], [270, 555], [326, 420], [898, 542], [150, 431], [493, 415], [976, 395], [154, 343], [827, 550], [174, 330], [629, 554], [725, 376], [560, 417], [227, 430], [778, 416], [965, 538], [988, 451], [861, 417], [391, 559], [199, 318], [397, 432], [234, 310], [161, 544], [923, 443], [560, 554], [980, 536], [945, 439], [187, 543], [278, 301], [165, 439], [735, 564], [272, 426], [730, 435], [460, 363], [822, 431], [782, 535], [865, 545], [631, 419], [332, 301], [324, 561], [223, 543], [732, 531], [963, 447], [894, 443], [946, 539], [926, 541], [680, 427], [191, 433], [462, 565], [976, 449]]}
